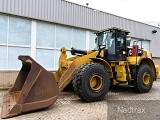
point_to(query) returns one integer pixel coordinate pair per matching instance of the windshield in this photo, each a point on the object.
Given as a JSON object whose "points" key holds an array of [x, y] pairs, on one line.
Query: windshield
{"points": [[105, 38]]}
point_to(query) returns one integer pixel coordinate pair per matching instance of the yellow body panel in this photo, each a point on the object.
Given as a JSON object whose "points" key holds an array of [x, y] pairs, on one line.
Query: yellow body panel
{"points": [[133, 60], [120, 69], [146, 54], [157, 70], [121, 73]]}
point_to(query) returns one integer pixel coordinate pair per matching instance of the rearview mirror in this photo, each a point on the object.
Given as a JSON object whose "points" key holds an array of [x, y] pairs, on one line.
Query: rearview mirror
{"points": [[102, 46]]}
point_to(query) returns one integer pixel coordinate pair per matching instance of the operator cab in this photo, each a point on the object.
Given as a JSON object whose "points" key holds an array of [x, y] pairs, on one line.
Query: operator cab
{"points": [[113, 41]]}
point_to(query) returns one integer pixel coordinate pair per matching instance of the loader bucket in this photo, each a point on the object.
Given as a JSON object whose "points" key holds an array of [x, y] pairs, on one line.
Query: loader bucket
{"points": [[35, 88]]}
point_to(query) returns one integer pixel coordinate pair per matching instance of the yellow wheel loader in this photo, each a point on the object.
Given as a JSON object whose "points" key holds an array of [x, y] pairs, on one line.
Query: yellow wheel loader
{"points": [[92, 72]]}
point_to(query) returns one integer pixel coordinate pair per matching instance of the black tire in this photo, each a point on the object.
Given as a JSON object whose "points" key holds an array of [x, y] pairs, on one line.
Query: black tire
{"points": [[83, 78], [144, 81]]}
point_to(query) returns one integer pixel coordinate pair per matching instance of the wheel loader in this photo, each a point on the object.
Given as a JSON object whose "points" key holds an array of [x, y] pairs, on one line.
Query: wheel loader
{"points": [[92, 72]]}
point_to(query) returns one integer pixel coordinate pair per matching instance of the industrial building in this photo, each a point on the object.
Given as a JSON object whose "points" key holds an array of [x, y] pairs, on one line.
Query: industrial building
{"points": [[39, 28]]}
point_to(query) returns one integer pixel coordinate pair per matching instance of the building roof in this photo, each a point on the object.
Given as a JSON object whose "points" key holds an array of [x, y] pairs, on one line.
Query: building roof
{"points": [[71, 14]]}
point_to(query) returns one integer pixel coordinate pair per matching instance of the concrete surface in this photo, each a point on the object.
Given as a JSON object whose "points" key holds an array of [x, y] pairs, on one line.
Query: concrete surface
{"points": [[119, 104]]}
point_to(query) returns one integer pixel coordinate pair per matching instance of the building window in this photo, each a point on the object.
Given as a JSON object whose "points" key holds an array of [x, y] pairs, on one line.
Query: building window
{"points": [[3, 41], [3, 57], [145, 43], [45, 57], [63, 37], [13, 53], [79, 39], [19, 31], [3, 29], [45, 35], [45, 44], [92, 44], [15, 40]]}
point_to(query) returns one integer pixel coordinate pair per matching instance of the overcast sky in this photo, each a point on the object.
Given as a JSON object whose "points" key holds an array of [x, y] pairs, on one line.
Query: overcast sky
{"points": [[147, 11]]}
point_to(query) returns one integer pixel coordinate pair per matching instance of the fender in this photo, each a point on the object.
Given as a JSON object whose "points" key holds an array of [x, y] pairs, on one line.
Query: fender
{"points": [[149, 62], [105, 64]]}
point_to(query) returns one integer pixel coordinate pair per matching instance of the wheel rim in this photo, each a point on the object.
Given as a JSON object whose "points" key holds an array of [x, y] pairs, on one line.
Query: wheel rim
{"points": [[96, 82], [146, 79]]}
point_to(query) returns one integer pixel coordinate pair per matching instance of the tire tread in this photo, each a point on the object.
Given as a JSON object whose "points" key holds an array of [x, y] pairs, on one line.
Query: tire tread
{"points": [[77, 80]]}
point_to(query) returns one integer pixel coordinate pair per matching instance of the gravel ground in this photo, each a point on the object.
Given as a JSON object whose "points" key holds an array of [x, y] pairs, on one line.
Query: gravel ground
{"points": [[119, 104]]}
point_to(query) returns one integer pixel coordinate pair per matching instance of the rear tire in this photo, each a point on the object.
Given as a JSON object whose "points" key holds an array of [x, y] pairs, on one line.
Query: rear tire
{"points": [[144, 81], [91, 82]]}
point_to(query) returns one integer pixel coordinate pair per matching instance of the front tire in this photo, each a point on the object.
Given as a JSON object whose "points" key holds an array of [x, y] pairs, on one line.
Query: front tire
{"points": [[144, 81], [91, 82]]}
